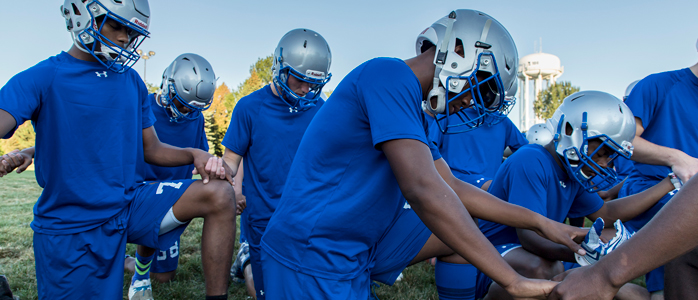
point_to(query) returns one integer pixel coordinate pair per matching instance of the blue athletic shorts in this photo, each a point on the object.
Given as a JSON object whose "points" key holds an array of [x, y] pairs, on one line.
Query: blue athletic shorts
{"points": [[254, 239], [166, 260], [655, 280], [399, 245], [483, 283], [282, 282], [90, 264]]}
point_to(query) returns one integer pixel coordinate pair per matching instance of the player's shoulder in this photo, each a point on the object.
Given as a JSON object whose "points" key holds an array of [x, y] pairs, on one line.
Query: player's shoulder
{"points": [[255, 99], [664, 79], [42, 72], [529, 157], [385, 65]]}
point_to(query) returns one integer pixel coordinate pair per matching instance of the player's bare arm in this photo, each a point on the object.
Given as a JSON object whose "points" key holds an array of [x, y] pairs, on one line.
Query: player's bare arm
{"points": [[682, 164], [672, 232], [441, 210], [233, 160], [161, 154], [629, 207], [484, 206]]}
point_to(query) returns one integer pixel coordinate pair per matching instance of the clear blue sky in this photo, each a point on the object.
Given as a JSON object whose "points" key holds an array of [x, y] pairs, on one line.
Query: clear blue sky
{"points": [[603, 45]]}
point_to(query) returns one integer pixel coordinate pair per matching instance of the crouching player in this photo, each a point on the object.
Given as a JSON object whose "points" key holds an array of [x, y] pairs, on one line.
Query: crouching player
{"points": [[560, 179], [94, 130], [366, 151]]}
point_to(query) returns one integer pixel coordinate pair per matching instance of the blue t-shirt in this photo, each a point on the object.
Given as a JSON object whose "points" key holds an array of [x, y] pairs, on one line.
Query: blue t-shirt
{"points": [[266, 133], [667, 104], [474, 156], [89, 139], [341, 193], [531, 178], [184, 134]]}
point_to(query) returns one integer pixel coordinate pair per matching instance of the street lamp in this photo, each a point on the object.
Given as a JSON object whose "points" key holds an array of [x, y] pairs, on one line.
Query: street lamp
{"points": [[145, 57]]}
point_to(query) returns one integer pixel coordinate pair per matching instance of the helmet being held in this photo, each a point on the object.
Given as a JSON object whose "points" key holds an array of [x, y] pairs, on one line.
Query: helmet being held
{"points": [[305, 55], [589, 115], [488, 67], [539, 134], [190, 80], [85, 20]]}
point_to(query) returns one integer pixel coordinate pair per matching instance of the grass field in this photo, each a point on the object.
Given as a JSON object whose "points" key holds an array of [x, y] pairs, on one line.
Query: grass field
{"points": [[18, 193]]}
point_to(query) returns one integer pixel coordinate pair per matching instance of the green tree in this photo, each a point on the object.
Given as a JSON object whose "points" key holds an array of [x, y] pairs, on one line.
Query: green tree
{"points": [[152, 88], [549, 99], [224, 100]]}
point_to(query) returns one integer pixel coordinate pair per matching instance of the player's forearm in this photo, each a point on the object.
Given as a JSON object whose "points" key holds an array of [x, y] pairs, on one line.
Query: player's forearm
{"points": [[28, 151], [627, 208], [234, 161], [446, 217], [650, 153], [672, 232], [542, 247], [164, 155]]}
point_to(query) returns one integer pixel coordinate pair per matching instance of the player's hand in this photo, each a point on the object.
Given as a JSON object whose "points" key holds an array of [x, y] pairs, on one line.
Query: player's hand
{"points": [[14, 160], [582, 283], [685, 167], [526, 288], [563, 234], [209, 166], [241, 204]]}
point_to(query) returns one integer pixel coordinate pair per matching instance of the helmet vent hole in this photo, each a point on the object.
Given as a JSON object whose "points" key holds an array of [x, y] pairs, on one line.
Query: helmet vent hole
{"points": [[568, 129], [305, 44], [575, 98], [620, 109], [75, 10], [194, 70]]}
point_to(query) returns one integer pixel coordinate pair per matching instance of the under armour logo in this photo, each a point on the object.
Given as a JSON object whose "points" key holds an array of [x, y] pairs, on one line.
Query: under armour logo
{"points": [[261, 292], [407, 206], [101, 74], [562, 184], [292, 109]]}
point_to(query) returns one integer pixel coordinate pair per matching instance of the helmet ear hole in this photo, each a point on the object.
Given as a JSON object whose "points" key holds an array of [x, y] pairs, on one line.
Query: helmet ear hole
{"points": [[76, 11], [568, 129]]}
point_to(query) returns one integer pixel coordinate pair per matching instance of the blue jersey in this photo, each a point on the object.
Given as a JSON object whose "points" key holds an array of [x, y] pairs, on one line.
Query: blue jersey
{"points": [[89, 139], [266, 133], [623, 167], [474, 156], [341, 194], [183, 133], [531, 178], [666, 103]]}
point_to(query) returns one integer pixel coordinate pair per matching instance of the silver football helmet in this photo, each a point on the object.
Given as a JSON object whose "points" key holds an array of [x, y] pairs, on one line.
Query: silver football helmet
{"points": [[487, 69], [588, 115], [629, 89], [539, 134], [190, 80], [305, 55], [85, 20]]}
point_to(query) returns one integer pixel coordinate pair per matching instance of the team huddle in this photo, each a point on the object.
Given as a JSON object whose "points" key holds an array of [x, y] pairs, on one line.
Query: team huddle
{"points": [[336, 193]]}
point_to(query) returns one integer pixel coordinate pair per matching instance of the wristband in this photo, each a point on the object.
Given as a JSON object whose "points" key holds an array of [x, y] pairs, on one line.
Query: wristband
{"points": [[675, 181]]}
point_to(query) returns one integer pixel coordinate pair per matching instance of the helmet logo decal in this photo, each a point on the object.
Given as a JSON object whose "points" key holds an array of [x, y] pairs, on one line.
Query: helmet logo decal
{"points": [[140, 23], [315, 74]]}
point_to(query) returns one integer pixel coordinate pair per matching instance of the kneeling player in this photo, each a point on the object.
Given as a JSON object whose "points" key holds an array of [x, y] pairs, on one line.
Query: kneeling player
{"points": [[93, 124], [560, 180]]}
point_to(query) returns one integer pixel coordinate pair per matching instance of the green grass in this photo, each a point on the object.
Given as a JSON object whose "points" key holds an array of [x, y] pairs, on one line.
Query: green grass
{"points": [[18, 193]]}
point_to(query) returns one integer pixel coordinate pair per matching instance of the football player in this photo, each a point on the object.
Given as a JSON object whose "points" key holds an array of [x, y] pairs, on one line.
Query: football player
{"points": [[367, 150], [266, 129], [561, 178], [94, 129], [663, 103]]}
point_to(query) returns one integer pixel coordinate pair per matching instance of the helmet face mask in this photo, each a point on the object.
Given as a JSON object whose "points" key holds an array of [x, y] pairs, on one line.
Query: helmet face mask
{"points": [[189, 80], [601, 119], [486, 69], [304, 55], [85, 21]]}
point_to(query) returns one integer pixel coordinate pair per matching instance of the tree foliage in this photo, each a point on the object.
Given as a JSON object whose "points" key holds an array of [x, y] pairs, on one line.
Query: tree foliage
{"points": [[549, 99], [218, 116], [152, 88], [22, 138]]}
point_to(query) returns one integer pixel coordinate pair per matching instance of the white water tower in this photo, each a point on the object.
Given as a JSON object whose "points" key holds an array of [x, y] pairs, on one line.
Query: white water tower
{"points": [[536, 67]]}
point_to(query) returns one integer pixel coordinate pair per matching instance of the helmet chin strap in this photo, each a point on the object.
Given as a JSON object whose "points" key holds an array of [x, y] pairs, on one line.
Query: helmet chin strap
{"points": [[436, 90]]}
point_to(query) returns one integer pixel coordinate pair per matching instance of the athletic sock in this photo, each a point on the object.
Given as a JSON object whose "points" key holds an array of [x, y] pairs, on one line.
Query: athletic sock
{"points": [[142, 267], [455, 281]]}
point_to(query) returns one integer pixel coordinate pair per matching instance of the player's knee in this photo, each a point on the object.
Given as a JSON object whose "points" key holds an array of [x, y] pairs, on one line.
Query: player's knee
{"points": [[540, 268], [220, 196], [163, 277]]}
